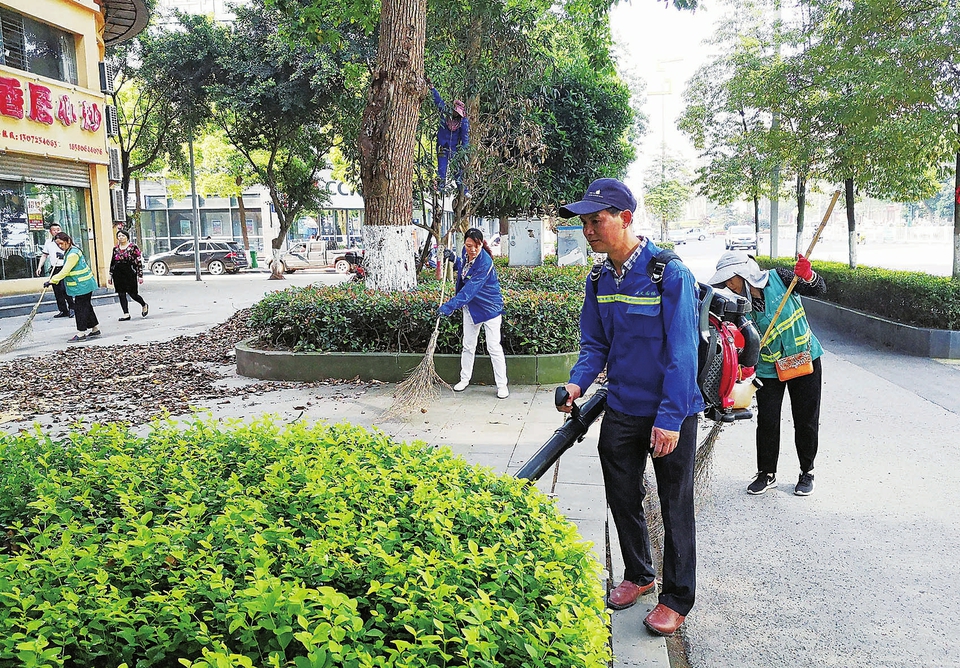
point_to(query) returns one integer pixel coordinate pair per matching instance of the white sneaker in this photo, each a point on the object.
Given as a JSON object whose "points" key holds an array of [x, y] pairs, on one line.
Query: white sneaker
{"points": [[461, 386], [502, 393]]}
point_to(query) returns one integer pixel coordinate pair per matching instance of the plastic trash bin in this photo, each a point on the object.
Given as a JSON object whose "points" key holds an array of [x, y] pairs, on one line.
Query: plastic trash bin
{"points": [[253, 260]]}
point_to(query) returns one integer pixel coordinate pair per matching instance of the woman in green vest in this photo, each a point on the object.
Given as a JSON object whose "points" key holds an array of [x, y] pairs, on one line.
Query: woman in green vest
{"points": [[80, 284], [790, 337]]}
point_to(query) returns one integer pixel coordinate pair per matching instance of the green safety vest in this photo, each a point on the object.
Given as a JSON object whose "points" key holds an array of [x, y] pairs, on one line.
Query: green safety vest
{"points": [[80, 280], [792, 333]]}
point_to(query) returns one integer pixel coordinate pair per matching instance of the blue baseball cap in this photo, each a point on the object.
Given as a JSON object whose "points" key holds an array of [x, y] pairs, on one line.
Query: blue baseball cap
{"points": [[601, 194]]}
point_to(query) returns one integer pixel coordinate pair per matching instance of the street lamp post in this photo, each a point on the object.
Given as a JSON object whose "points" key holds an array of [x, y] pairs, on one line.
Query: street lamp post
{"points": [[196, 210]]}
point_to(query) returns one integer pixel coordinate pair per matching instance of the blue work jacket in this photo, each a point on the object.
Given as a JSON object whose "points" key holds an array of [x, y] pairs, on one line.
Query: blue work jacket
{"points": [[648, 342], [450, 140], [479, 290]]}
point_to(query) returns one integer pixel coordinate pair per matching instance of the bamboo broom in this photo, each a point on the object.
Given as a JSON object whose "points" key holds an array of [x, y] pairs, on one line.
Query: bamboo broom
{"points": [[422, 386], [22, 332]]}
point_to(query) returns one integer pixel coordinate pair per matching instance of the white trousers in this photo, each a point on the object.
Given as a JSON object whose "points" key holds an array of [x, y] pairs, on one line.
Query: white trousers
{"points": [[471, 332]]}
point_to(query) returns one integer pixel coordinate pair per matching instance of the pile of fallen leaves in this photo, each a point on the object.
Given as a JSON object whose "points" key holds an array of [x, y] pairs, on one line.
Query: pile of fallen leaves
{"points": [[132, 383]]}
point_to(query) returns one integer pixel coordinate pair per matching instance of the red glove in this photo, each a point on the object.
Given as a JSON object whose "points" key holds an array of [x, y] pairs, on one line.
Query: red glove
{"points": [[803, 268]]}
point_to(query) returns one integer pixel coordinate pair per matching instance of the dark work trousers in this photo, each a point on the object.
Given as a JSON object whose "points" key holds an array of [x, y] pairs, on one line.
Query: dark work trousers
{"points": [[64, 301], [805, 405], [624, 448], [83, 310]]}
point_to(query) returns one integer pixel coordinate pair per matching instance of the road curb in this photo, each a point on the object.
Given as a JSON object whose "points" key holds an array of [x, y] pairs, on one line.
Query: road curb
{"points": [[394, 367]]}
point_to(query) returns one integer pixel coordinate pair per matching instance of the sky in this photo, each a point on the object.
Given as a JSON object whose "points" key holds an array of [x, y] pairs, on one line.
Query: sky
{"points": [[664, 47]]}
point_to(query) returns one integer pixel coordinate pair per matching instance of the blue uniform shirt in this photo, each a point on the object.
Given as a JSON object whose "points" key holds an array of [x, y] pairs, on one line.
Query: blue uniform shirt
{"points": [[648, 341]]}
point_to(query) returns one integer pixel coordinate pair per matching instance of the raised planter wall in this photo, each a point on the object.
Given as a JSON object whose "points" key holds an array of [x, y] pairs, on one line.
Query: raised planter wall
{"points": [[938, 343], [393, 367]]}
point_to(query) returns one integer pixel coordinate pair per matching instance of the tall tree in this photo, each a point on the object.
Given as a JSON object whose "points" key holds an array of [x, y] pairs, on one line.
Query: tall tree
{"points": [[667, 190], [275, 101], [148, 119], [725, 124], [388, 134]]}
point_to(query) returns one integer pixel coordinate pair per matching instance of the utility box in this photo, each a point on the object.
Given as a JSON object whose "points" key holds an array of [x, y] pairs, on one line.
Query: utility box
{"points": [[571, 245], [526, 242]]}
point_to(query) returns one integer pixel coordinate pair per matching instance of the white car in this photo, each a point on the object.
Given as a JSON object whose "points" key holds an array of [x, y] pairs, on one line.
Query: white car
{"points": [[688, 234], [741, 236]]}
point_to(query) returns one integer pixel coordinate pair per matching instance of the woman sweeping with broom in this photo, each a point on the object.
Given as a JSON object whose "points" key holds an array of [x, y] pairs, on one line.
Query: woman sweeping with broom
{"points": [[478, 294], [789, 360], [80, 283]]}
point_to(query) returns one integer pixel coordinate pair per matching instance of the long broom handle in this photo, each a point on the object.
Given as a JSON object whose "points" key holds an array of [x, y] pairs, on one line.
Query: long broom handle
{"points": [[443, 282], [813, 242]]}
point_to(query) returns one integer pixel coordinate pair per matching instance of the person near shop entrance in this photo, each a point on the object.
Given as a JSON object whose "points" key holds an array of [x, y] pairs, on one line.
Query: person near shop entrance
{"points": [[646, 336], [53, 253], [126, 273], [80, 284]]}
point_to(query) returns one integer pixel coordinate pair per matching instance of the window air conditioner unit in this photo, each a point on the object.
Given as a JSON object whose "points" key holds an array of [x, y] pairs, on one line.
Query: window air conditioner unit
{"points": [[115, 168], [118, 206], [113, 121], [107, 75]]}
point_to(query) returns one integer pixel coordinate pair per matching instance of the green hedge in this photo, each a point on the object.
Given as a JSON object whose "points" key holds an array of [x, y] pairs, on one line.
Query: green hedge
{"points": [[265, 545], [348, 318], [908, 297]]}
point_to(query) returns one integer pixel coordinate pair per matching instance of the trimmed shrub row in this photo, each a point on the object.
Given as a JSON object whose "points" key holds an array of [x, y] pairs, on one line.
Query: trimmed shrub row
{"points": [[296, 545], [908, 297], [348, 318]]}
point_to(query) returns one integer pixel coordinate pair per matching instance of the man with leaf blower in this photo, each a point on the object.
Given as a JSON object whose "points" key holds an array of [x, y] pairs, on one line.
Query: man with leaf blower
{"points": [[789, 360], [644, 329]]}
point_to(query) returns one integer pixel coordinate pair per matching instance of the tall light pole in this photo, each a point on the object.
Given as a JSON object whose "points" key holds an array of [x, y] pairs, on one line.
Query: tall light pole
{"points": [[196, 210]]}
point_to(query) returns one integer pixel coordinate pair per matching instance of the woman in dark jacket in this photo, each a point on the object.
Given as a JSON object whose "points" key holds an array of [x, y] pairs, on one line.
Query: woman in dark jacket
{"points": [[478, 294], [126, 273]]}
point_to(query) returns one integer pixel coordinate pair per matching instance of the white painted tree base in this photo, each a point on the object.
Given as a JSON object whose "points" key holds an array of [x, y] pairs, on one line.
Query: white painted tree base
{"points": [[390, 257]]}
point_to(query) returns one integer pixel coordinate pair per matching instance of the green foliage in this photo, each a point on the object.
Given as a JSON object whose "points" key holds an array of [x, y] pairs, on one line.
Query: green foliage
{"points": [[909, 297], [541, 315], [297, 545]]}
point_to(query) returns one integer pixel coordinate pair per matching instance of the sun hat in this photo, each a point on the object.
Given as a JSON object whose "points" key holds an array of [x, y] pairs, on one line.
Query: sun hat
{"points": [[458, 107], [601, 194], [738, 263]]}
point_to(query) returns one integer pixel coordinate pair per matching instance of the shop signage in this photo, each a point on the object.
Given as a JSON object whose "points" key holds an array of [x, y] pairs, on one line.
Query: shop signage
{"points": [[51, 120], [35, 214]]}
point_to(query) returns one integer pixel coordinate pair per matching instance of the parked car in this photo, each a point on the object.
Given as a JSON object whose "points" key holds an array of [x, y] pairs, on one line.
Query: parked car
{"points": [[316, 255], [741, 236], [688, 234], [216, 257]]}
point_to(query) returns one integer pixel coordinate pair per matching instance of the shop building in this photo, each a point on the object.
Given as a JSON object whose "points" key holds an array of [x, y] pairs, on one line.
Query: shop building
{"points": [[55, 128]]}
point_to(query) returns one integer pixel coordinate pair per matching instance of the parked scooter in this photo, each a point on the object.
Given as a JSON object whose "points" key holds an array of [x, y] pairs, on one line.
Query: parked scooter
{"points": [[357, 271]]}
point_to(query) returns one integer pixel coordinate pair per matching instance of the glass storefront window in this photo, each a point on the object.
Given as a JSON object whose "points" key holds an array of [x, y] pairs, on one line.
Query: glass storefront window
{"points": [[37, 47], [26, 213]]}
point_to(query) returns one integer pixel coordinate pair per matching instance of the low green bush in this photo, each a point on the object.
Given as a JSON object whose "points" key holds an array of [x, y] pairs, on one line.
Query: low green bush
{"points": [[348, 318], [297, 545], [908, 297]]}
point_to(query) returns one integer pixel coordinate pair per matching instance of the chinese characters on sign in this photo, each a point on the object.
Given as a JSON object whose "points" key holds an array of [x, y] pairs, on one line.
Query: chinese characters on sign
{"points": [[36, 117], [40, 105]]}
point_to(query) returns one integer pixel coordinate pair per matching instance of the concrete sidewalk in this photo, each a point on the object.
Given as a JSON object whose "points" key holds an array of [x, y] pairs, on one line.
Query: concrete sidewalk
{"points": [[862, 573]]}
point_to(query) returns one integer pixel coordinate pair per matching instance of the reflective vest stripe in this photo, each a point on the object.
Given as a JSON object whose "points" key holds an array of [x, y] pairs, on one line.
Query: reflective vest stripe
{"points": [[627, 299]]}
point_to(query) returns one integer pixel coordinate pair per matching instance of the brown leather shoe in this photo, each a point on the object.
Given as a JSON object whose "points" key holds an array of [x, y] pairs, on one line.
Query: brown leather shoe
{"points": [[627, 593], [663, 621]]}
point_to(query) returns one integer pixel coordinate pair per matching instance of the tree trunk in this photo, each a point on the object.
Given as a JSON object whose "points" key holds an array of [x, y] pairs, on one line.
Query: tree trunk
{"points": [[801, 205], [243, 215], [956, 215], [387, 145], [851, 222], [756, 220], [137, 221]]}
